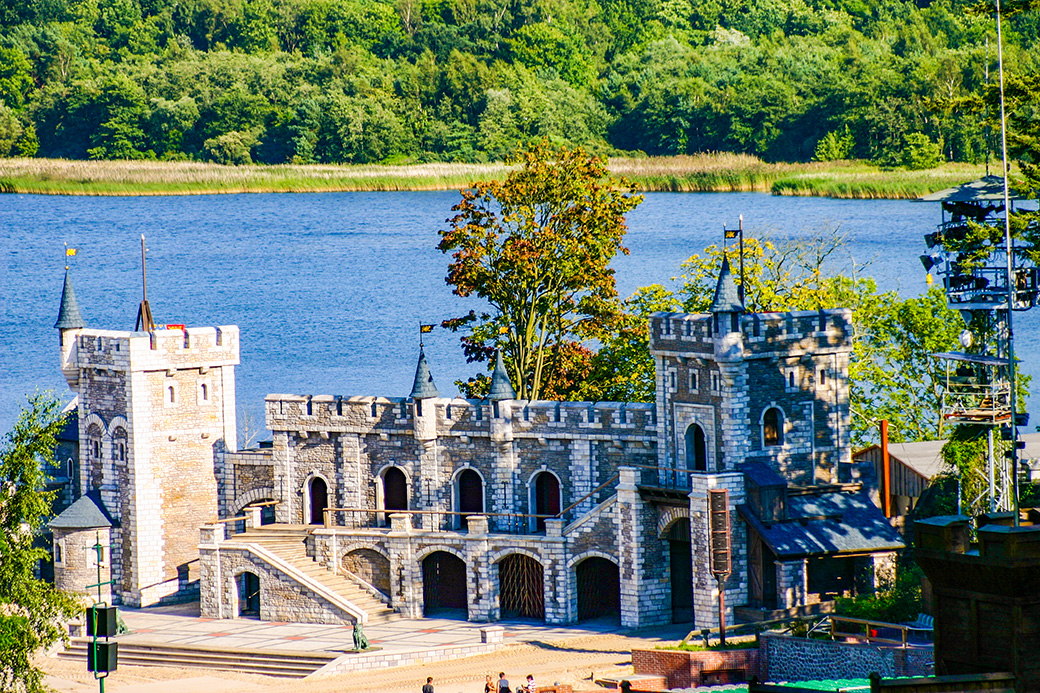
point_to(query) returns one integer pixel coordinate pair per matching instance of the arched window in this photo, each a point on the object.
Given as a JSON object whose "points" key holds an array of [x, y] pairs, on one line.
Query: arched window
{"points": [[546, 496], [773, 427], [205, 392], [172, 394], [469, 494], [395, 489], [696, 449]]}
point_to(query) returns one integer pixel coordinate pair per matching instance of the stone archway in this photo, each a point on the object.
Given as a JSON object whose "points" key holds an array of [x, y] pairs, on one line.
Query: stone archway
{"points": [[680, 570], [599, 589], [247, 586], [521, 587], [371, 566], [319, 500], [444, 585]]}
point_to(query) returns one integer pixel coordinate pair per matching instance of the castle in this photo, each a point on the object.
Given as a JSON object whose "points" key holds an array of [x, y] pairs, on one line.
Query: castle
{"points": [[366, 508]]}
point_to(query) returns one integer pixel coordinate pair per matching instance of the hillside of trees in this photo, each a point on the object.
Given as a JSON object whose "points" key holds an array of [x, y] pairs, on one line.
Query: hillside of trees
{"points": [[359, 81]]}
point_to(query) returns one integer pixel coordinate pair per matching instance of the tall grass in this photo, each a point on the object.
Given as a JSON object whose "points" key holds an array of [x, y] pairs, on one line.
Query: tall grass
{"points": [[714, 172]]}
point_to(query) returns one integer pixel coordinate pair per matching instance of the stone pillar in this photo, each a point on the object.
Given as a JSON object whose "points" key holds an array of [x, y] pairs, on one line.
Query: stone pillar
{"points": [[504, 481], [629, 545], [434, 490], [705, 586], [479, 591], [283, 488], [405, 594], [791, 583], [556, 576], [253, 517]]}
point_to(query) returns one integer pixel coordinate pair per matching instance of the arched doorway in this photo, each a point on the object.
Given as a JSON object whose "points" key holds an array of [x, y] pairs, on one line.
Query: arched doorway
{"points": [[371, 566], [444, 585], [319, 493], [696, 449], [520, 587], [680, 566], [546, 497], [599, 589], [395, 491], [773, 427], [248, 586], [470, 493]]}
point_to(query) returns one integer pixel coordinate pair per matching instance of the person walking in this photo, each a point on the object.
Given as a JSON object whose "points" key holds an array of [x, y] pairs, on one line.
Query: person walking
{"points": [[503, 683], [489, 685], [428, 688]]}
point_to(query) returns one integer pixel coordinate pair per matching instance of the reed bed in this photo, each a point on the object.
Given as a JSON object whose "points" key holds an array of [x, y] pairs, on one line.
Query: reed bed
{"points": [[714, 172]]}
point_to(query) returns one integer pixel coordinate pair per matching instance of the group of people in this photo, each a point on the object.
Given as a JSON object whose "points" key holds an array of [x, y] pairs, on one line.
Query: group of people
{"points": [[490, 686]]}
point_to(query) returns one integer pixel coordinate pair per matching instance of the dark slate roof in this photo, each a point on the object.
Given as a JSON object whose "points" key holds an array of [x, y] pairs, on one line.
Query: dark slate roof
{"points": [[761, 475], [985, 189], [727, 297], [821, 524], [69, 317], [423, 387], [86, 513], [501, 388]]}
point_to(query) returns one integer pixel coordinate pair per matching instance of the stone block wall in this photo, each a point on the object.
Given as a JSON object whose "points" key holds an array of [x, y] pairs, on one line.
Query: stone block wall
{"points": [[786, 658], [75, 561]]}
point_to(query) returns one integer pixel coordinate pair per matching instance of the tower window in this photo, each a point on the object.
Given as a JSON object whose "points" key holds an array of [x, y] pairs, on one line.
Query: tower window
{"points": [[205, 392], [96, 448], [823, 377], [773, 427], [790, 379], [693, 381], [121, 452], [171, 394]]}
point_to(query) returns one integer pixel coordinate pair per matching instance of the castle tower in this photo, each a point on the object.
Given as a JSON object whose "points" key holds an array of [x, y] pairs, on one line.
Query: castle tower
{"points": [[154, 407], [68, 324]]}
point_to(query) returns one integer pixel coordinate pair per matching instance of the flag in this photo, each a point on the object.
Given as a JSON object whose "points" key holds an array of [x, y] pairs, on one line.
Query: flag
{"points": [[69, 252], [423, 329], [731, 233]]}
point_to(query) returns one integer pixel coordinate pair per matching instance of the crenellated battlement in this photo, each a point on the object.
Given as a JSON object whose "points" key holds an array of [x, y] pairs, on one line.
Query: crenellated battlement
{"points": [[802, 331], [456, 416], [194, 347]]}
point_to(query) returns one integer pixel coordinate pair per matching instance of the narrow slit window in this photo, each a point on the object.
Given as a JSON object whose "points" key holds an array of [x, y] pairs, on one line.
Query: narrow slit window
{"points": [[171, 394]]}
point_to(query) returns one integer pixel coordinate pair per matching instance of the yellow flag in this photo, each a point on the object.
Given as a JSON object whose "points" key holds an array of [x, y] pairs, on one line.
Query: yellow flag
{"points": [[423, 329], [69, 252]]}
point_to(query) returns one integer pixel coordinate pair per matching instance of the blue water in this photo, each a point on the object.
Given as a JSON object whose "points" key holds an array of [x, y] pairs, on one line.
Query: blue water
{"points": [[328, 289]]}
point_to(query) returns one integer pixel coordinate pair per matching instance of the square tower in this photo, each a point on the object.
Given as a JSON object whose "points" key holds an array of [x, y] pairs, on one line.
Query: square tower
{"points": [[154, 409]]}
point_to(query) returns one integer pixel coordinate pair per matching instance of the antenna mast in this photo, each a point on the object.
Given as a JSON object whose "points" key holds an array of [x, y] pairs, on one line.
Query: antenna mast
{"points": [[144, 311]]}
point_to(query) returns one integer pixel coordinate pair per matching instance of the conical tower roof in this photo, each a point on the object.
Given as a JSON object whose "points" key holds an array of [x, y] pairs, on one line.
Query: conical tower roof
{"points": [[501, 388], [727, 296], [69, 317], [423, 387]]}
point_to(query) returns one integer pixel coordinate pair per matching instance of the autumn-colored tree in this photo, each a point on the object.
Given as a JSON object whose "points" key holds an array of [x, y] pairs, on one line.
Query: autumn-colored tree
{"points": [[537, 248]]}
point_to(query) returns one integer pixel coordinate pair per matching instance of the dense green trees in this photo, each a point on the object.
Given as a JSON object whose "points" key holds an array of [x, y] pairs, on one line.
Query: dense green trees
{"points": [[375, 80], [32, 611]]}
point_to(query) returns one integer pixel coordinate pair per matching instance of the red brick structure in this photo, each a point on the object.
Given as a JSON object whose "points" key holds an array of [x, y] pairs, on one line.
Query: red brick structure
{"points": [[692, 669]]}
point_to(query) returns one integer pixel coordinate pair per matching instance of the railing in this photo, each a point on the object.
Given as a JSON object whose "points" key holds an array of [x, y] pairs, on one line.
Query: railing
{"points": [[503, 523], [242, 522], [870, 631], [670, 478], [443, 520]]}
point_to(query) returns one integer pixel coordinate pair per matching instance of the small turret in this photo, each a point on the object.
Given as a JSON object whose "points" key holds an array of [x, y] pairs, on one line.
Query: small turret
{"points": [[423, 387], [726, 306], [69, 317], [69, 323], [501, 388]]}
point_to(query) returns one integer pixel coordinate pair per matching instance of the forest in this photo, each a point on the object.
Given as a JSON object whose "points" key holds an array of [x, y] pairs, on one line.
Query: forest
{"points": [[896, 82]]}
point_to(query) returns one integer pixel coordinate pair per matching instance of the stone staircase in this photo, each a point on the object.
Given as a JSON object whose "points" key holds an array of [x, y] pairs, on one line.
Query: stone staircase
{"points": [[289, 664], [288, 543]]}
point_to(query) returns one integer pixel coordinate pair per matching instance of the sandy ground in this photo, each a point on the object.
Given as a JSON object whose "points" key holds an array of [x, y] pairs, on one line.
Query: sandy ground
{"points": [[574, 661]]}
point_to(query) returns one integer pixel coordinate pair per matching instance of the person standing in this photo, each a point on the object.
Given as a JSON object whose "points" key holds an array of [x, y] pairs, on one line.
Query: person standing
{"points": [[428, 688], [503, 683], [530, 687], [489, 685]]}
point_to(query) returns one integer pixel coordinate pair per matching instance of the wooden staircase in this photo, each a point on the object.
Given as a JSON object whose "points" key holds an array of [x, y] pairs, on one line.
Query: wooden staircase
{"points": [[288, 542], [268, 663]]}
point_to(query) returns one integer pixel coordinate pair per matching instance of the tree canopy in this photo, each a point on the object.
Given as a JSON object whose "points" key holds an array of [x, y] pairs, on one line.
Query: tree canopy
{"points": [[32, 612], [277, 81], [537, 247]]}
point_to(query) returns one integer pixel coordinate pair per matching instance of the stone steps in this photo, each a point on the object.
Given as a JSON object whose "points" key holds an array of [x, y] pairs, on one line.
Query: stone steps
{"points": [[288, 543], [287, 664]]}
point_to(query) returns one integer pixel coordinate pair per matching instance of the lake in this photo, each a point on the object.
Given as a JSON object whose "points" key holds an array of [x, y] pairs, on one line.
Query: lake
{"points": [[329, 289]]}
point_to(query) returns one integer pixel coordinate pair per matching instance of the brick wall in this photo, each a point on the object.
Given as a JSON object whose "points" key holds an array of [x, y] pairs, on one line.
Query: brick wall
{"points": [[692, 669]]}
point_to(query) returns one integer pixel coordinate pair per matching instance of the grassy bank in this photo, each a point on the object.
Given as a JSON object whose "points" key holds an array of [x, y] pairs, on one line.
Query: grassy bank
{"points": [[700, 173]]}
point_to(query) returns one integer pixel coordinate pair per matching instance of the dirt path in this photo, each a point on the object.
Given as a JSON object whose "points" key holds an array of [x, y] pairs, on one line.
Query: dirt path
{"points": [[571, 661]]}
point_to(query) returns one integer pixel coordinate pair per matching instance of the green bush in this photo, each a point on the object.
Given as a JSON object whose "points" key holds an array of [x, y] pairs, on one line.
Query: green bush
{"points": [[834, 146], [920, 152], [893, 603]]}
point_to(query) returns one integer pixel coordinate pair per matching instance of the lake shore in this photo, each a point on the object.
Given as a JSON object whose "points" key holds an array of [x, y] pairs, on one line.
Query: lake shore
{"points": [[696, 173]]}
